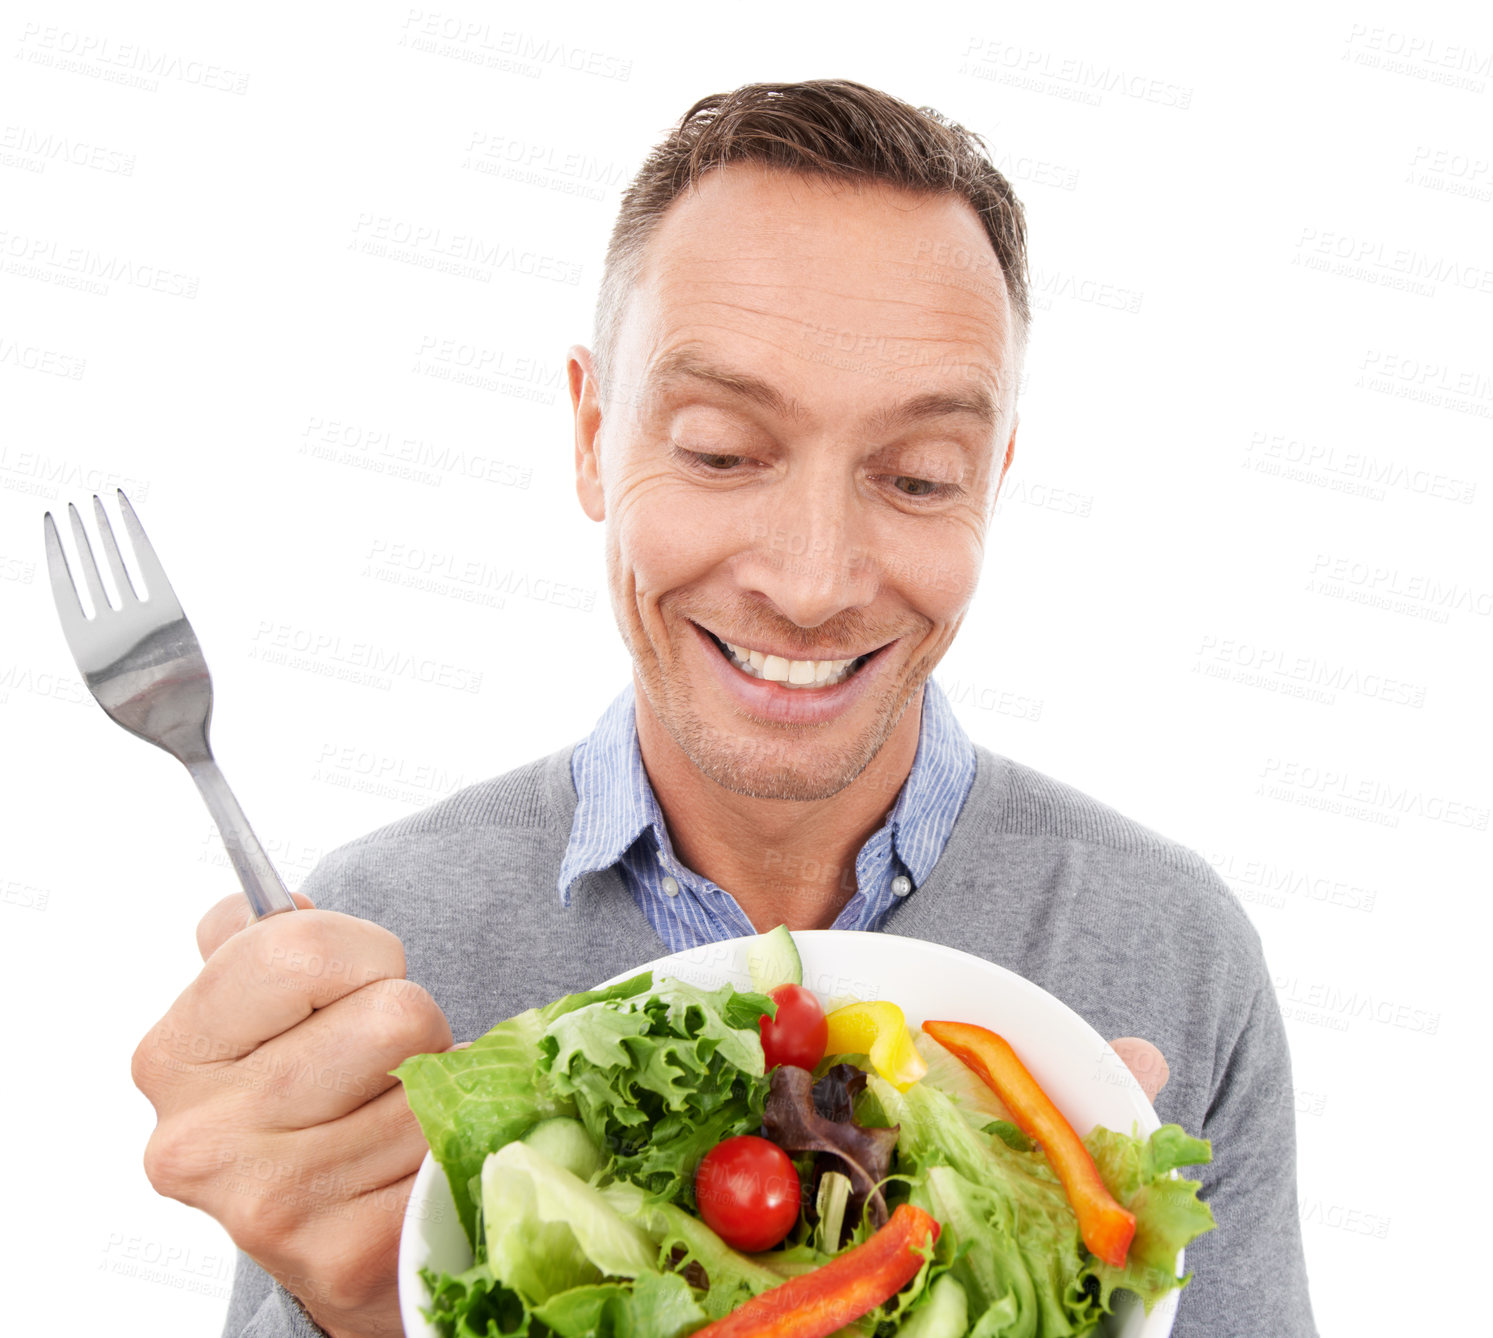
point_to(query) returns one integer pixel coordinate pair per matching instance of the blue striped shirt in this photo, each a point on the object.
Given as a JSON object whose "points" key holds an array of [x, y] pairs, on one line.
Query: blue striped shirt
{"points": [[618, 823]]}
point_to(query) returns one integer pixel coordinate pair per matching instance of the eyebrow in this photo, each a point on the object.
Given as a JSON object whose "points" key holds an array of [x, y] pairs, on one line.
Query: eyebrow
{"points": [[976, 403], [686, 364]]}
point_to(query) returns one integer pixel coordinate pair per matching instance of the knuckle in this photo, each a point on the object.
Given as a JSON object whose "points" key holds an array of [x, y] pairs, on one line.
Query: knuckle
{"points": [[223, 920], [259, 1218], [404, 1017], [173, 1161], [143, 1065], [393, 945], [292, 944], [153, 1060], [325, 949]]}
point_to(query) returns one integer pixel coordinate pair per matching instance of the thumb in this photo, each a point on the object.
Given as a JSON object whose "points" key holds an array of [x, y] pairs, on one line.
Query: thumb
{"points": [[228, 917], [1145, 1061]]}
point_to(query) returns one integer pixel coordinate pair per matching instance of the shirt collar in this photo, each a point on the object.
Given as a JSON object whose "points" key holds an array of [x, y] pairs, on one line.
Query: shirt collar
{"points": [[612, 795], [615, 804], [923, 816]]}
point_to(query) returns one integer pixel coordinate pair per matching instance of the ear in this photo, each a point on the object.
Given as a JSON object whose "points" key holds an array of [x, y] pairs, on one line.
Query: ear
{"points": [[585, 404]]}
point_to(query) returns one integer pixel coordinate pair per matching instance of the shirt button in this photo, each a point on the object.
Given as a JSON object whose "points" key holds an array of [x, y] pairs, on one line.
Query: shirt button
{"points": [[901, 885], [671, 887], [663, 859]]}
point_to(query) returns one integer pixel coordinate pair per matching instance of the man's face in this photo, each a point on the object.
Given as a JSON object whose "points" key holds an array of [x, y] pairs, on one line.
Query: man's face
{"points": [[809, 410]]}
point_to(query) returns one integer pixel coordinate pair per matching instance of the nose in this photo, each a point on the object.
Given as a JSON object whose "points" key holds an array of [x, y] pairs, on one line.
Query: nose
{"points": [[812, 554]]}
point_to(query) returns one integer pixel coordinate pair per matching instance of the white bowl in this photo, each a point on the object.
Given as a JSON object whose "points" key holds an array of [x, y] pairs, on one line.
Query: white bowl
{"points": [[1072, 1062]]}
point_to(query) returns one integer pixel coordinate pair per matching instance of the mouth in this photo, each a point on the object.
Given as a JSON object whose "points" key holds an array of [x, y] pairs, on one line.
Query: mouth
{"points": [[785, 672]]}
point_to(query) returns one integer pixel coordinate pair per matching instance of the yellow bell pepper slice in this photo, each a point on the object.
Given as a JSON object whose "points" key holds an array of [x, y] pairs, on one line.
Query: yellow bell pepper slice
{"points": [[880, 1031]]}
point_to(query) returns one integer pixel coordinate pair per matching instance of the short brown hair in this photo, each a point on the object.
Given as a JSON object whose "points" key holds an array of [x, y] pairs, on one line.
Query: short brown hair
{"points": [[828, 128]]}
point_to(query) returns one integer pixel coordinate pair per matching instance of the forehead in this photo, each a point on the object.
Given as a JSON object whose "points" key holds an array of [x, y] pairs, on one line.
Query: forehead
{"points": [[836, 291]]}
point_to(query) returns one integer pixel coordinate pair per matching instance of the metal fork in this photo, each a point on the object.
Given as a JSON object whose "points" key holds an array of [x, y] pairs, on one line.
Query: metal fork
{"points": [[143, 664]]}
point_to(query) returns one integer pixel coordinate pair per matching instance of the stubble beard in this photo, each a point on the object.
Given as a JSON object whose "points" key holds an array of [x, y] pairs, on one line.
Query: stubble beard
{"points": [[764, 759], [756, 765]]}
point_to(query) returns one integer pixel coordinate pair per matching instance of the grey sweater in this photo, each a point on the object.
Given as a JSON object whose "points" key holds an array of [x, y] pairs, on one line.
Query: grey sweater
{"points": [[1136, 934]]}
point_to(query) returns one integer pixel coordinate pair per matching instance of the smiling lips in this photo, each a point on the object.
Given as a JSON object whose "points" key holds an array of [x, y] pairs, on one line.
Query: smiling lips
{"points": [[789, 673]]}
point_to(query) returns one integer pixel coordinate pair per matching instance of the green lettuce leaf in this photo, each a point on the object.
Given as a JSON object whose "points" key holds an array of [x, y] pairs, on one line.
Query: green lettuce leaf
{"points": [[1020, 1264], [1168, 1213], [472, 1101], [661, 1081], [1010, 1237], [684, 1239], [833, 1199], [548, 1231], [474, 1304], [656, 1307]]}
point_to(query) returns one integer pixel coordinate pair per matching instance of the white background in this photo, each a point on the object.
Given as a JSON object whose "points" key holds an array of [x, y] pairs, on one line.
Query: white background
{"points": [[1252, 462]]}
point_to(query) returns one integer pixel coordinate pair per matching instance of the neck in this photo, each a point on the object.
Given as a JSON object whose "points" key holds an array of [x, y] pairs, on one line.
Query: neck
{"points": [[786, 861]]}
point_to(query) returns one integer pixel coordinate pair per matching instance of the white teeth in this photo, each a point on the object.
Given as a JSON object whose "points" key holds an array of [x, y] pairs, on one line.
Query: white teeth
{"points": [[790, 673]]}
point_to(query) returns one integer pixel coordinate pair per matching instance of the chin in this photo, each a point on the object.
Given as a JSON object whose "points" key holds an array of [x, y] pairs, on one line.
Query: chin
{"points": [[767, 762], [741, 776]]}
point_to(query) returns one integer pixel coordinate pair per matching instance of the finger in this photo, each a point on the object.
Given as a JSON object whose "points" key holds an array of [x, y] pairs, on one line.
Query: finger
{"points": [[227, 917], [292, 1181], [270, 976], [341, 1056], [378, 1145], [323, 1207], [368, 1150], [1145, 1061], [260, 1185]]}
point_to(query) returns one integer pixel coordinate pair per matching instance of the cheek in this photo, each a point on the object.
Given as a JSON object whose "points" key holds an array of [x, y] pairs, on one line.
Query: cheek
{"points": [[664, 539], [938, 569]]}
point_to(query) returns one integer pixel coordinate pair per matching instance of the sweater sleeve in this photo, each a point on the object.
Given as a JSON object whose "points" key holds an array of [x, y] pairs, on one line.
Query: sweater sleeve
{"points": [[1249, 1274], [261, 1308]]}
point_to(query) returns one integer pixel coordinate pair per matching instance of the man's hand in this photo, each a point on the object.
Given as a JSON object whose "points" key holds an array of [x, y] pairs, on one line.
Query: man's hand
{"points": [[275, 1111], [1145, 1061]]}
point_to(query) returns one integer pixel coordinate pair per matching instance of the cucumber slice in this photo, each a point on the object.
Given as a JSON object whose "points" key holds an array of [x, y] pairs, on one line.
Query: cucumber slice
{"points": [[946, 1314], [565, 1142], [772, 960]]}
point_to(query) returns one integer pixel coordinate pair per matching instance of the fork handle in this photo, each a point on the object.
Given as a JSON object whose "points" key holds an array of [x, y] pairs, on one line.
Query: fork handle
{"points": [[262, 885]]}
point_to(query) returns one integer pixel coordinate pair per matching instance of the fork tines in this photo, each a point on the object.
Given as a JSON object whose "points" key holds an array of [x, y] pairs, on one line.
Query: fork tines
{"points": [[65, 589]]}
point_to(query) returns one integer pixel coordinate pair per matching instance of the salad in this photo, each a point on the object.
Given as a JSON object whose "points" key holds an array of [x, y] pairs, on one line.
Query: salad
{"points": [[654, 1158]]}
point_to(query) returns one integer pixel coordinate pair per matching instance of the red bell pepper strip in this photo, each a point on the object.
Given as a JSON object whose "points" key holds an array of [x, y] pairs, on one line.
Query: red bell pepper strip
{"points": [[816, 1304], [1105, 1226]]}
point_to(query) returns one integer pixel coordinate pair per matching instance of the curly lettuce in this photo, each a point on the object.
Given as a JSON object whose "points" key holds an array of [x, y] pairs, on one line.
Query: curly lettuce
{"points": [[1010, 1237]]}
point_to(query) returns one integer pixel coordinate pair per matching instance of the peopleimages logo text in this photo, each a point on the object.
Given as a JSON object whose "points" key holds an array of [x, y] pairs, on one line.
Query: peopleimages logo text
{"points": [[1345, 787], [93, 49]]}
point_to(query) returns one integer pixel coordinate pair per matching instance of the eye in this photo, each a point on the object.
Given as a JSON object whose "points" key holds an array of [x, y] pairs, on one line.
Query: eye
{"points": [[915, 487], [713, 462]]}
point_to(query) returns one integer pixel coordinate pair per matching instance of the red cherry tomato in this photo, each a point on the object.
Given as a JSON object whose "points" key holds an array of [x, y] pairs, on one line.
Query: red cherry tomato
{"points": [[799, 1033], [747, 1191]]}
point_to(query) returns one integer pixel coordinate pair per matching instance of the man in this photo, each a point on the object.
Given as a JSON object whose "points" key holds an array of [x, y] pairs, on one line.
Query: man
{"points": [[792, 543]]}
